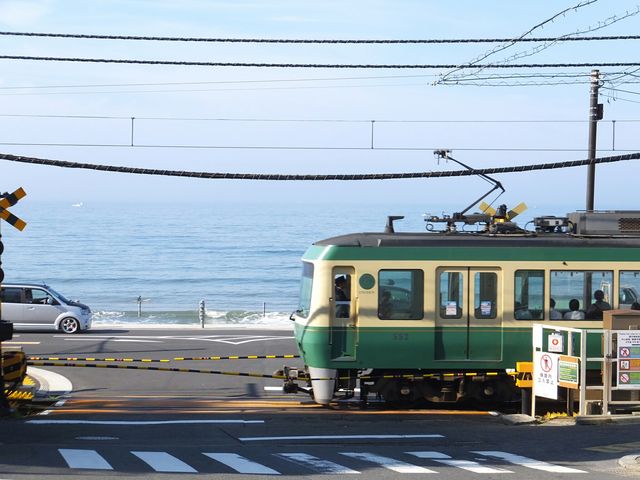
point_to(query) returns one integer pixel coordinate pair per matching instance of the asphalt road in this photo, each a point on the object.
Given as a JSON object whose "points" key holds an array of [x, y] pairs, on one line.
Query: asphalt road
{"points": [[146, 424]]}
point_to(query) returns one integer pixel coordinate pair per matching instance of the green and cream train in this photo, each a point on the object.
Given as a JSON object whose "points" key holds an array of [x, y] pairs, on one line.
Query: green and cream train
{"points": [[444, 316]]}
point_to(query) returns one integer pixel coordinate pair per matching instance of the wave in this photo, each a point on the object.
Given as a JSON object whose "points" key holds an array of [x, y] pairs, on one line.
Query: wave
{"points": [[190, 318]]}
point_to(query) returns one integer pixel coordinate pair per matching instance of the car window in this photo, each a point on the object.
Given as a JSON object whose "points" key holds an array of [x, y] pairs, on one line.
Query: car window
{"points": [[11, 295], [40, 297]]}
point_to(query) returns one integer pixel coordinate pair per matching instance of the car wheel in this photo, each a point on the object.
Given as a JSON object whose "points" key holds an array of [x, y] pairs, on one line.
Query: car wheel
{"points": [[70, 325]]}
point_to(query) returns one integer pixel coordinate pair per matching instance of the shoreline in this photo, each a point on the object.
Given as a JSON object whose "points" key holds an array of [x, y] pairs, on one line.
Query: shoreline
{"points": [[175, 326]]}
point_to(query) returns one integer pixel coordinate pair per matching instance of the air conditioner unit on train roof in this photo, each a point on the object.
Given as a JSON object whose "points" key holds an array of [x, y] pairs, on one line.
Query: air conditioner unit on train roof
{"points": [[613, 222]]}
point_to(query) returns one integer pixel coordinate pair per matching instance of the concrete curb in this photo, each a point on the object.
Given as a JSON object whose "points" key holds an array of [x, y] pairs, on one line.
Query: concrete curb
{"points": [[605, 419], [630, 462], [517, 419], [49, 383]]}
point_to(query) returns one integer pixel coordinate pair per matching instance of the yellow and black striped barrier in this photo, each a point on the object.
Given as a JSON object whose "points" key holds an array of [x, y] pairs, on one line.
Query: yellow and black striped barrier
{"points": [[19, 395], [251, 374], [156, 369], [162, 360], [14, 366]]}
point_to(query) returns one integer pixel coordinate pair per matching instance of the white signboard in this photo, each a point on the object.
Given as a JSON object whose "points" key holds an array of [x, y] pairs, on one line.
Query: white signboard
{"points": [[628, 359], [545, 375], [555, 343]]}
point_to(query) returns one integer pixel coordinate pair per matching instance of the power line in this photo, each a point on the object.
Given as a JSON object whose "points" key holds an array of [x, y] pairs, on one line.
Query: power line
{"points": [[303, 148], [223, 82], [288, 177], [511, 42], [543, 46], [345, 41], [317, 65], [312, 120], [619, 90]]}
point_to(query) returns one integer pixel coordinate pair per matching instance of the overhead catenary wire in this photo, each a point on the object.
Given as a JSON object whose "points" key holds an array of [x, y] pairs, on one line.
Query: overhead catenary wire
{"points": [[390, 66], [321, 177], [320, 41]]}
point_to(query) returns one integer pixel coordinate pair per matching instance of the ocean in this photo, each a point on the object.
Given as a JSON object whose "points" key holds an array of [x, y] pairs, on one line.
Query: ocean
{"points": [[242, 260]]}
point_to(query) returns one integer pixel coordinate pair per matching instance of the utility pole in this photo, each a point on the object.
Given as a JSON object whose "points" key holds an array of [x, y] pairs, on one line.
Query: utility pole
{"points": [[595, 114]]}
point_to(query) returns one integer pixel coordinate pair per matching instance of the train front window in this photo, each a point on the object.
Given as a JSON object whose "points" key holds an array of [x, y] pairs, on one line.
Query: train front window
{"points": [[529, 295], [451, 295], [401, 294], [306, 284]]}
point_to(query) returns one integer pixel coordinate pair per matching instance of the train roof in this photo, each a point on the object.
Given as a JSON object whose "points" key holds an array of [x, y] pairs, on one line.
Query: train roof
{"points": [[453, 240], [608, 229]]}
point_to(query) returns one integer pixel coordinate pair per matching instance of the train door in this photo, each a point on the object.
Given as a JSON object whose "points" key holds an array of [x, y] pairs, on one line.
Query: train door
{"points": [[468, 317], [343, 315]]}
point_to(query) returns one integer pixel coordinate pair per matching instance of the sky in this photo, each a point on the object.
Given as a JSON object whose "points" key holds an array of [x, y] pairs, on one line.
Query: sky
{"points": [[312, 120]]}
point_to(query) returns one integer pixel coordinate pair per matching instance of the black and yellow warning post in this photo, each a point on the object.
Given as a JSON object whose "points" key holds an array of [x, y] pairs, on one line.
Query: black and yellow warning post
{"points": [[6, 328]]}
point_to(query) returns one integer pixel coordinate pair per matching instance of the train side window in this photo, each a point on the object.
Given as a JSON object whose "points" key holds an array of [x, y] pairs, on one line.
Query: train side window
{"points": [[486, 294], [574, 292], [451, 294], [528, 299], [629, 289], [401, 294]]}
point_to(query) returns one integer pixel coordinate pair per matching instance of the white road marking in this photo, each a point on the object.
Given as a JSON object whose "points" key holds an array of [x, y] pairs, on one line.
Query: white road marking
{"points": [[241, 464], [337, 437], [97, 438], [163, 462], [90, 339], [52, 382], [84, 459], [463, 464], [136, 422], [315, 463], [388, 463], [273, 388], [471, 466], [529, 462]]}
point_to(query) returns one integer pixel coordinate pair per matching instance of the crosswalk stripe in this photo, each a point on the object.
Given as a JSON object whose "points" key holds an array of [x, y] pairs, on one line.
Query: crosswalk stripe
{"points": [[163, 462], [315, 463], [84, 459], [463, 464], [388, 463], [529, 462], [241, 464]]}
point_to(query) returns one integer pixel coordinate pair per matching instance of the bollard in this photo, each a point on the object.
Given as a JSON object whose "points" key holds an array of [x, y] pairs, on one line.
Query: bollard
{"points": [[202, 313]]}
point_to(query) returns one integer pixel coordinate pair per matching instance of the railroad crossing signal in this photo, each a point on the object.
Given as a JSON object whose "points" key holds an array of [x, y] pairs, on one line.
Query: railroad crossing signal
{"points": [[8, 200], [6, 328]]}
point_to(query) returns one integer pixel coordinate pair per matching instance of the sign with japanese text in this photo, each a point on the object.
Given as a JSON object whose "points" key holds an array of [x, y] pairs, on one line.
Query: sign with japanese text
{"points": [[568, 372], [629, 359], [545, 374]]}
